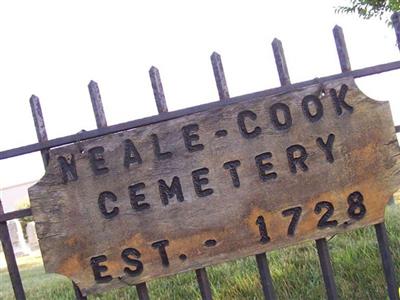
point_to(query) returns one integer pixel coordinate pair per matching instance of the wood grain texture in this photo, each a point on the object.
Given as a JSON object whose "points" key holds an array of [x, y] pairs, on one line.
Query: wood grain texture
{"points": [[225, 224]]}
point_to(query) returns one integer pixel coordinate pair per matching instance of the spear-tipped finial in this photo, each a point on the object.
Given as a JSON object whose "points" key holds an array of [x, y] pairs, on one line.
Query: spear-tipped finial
{"points": [[158, 90], [97, 104], [280, 62], [219, 76], [40, 126], [396, 25], [341, 48]]}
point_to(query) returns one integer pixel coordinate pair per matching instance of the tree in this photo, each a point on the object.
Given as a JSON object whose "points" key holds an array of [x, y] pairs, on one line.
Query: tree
{"points": [[368, 9]]}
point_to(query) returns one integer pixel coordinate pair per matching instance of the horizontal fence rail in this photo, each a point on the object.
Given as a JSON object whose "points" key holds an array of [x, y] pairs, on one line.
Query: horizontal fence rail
{"points": [[81, 136], [44, 144]]}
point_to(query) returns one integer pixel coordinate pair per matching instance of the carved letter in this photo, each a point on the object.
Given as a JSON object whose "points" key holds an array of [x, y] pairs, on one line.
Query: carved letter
{"points": [[98, 269], [198, 182], [131, 154], [299, 159], [157, 149], [97, 161], [242, 126], [263, 167], [136, 198], [232, 166], [167, 192], [160, 245], [319, 110], [68, 169], [189, 137], [338, 101], [125, 255], [327, 147], [102, 204], [273, 112]]}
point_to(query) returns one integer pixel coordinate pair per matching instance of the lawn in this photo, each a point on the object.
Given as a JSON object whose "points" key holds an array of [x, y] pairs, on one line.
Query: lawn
{"points": [[295, 272]]}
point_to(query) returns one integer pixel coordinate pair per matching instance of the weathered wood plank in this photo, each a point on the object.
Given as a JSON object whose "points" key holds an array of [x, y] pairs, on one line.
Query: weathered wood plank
{"points": [[216, 185]]}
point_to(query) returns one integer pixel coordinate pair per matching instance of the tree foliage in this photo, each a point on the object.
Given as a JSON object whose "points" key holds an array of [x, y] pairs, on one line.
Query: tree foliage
{"points": [[367, 9]]}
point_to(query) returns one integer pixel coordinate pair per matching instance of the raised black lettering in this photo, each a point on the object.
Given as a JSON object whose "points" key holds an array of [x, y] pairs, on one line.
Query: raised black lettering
{"points": [[98, 269], [232, 166], [324, 221], [327, 147], [338, 101], [131, 154], [160, 245], [157, 149], [167, 192], [273, 113], [262, 229], [136, 198], [126, 257], [244, 131], [299, 159], [198, 182], [97, 161], [263, 166], [316, 102], [221, 133], [295, 212], [357, 209], [103, 197], [189, 137], [210, 243], [68, 168]]}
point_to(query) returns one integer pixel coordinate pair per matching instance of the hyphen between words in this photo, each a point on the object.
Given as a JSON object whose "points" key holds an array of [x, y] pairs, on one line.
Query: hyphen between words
{"points": [[281, 119]]}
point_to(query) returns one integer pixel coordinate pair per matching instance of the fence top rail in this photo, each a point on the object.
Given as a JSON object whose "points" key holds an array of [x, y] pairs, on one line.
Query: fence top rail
{"points": [[84, 135]]}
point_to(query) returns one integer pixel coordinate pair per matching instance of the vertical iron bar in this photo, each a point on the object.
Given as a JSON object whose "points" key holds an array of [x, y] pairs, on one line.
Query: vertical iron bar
{"points": [[265, 275], [262, 261], [396, 25], [97, 104], [219, 76], [156, 84], [341, 49], [387, 261], [158, 90], [280, 62], [78, 293], [321, 244], [379, 228], [101, 122], [142, 291], [204, 284], [39, 126], [326, 267], [12, 266], [42, 137]]}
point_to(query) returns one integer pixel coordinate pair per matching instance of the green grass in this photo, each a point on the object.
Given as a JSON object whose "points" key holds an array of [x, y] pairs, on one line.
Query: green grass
{"points": [[295, 272]]}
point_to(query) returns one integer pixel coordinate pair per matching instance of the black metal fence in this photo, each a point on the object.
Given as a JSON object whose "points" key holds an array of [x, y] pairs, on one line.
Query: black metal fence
{"points": [[44, 145]]}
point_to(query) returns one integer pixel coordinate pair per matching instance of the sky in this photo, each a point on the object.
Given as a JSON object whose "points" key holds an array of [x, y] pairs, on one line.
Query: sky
{"points": [[53, 49]]}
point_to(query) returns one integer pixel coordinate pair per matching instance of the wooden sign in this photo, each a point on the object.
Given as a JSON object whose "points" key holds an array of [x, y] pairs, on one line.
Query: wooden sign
{"points": [[228, 182]]}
